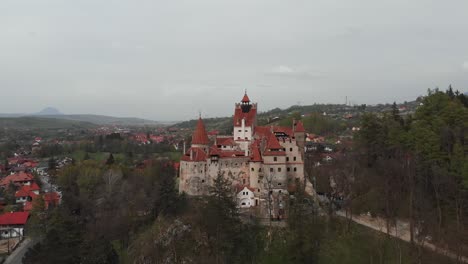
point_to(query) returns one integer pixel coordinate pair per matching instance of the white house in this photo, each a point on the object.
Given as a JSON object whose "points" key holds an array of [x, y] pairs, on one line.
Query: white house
{"points": [[245, 198], [12, 224]]}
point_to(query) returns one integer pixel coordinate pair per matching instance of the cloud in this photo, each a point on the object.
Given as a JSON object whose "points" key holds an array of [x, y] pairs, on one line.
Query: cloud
{"points": [[465, 66], [282, 69], [299, 73]]}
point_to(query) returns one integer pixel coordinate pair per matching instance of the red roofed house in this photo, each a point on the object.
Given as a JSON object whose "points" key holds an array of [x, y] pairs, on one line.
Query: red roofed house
{"points": [[27, 193], [12, 224], [51, 199], [262, 160], [19, 178]]}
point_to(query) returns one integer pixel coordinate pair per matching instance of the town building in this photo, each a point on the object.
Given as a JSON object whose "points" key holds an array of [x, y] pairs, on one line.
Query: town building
{"points": [[12, 224], [260, 161]]}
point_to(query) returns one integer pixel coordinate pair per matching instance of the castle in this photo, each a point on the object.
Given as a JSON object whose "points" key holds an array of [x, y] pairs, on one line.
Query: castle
{"points": [[258, 160]]}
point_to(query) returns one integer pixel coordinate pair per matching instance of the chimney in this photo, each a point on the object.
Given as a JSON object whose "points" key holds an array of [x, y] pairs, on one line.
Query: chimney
{"points": [[191, 154], [184, 148], [294, 125]]}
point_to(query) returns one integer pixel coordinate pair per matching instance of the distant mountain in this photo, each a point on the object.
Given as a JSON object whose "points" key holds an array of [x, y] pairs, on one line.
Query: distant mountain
{"points": [[48, 111], [42, 123]]}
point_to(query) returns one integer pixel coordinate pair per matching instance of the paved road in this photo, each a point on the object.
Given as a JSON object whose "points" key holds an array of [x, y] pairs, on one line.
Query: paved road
{"points": [[17, 256], [402, 233]]}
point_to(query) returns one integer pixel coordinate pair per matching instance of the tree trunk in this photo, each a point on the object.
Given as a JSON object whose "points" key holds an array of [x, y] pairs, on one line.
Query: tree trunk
{"points": [[411, 217], [439, 209]]}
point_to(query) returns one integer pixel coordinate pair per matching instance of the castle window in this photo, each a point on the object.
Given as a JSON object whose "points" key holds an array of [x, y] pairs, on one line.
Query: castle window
{"points": [[275, 159], [271, 169], [290, 149], [252, 169], [258, 190], [287, 158], [289, 169], [295, 169], [240, 130], [260, 170], [279, 183], [238, 138], [279, 169], [246, 130], [258, 181], [202, 181], [294, 158]]}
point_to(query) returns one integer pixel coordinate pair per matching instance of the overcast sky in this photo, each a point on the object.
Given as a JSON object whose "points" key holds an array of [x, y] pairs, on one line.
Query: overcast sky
{"points": [[167, 60]]}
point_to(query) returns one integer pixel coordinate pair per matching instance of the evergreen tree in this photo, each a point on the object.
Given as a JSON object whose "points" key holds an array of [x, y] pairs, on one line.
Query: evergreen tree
{"points": [[52, 164], [110, 160]]}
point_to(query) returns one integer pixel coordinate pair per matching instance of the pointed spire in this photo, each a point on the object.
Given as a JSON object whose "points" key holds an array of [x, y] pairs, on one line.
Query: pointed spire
{"points": [[299, 127], [200, 137], [273, 142], [246, 98]]}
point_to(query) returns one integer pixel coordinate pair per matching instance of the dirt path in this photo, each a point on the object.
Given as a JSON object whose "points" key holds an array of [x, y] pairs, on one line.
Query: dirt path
{"points": [[401, 231]]}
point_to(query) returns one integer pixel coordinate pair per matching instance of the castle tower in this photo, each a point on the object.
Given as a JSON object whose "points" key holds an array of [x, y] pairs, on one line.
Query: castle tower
{"points": [[245, 120], [200, 137], [300, 135]]}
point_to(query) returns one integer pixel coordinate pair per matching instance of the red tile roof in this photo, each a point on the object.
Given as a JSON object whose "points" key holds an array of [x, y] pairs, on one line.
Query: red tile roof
{"points": [[256, 156], [28, 206], [214, 151], [300, 126], [27, 190], [15, 218], [249, 117], [273, 143], [21, 193], [197, 155], [286, 130], [232, 154], [262, 131], [200, 136], [239, 188], [246, 98], [17, 177], [225, 141], [51, 198]]}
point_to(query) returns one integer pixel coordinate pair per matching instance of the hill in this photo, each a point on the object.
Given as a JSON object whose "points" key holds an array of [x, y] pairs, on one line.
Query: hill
{"points": [[42, 123], [106, 120], [48, 111]]}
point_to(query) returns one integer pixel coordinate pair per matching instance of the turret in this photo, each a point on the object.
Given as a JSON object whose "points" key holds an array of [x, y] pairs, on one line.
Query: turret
{"points": [[299, 135], [200, 137], [245, 103]]}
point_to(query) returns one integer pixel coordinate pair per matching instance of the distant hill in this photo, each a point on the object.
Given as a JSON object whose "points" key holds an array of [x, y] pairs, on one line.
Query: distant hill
{"points": [[42, 123], [106, 120], [48, 111], [54, 113]]}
